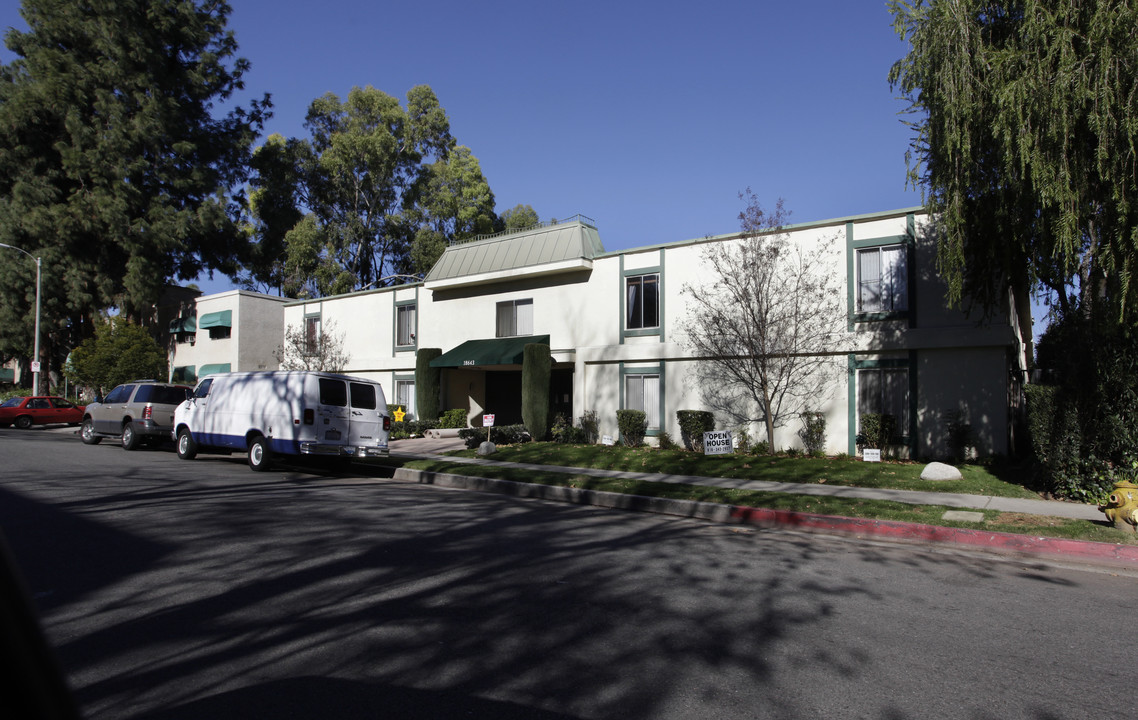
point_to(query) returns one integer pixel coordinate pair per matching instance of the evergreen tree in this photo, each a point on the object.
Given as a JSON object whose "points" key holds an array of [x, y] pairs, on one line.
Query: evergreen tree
{"points": [[115, 165]]}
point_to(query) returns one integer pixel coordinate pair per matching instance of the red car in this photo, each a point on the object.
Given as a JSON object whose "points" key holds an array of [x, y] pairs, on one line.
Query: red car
{"points": [[24, 412]]}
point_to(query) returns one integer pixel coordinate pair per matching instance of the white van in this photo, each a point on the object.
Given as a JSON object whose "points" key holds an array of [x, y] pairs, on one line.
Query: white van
{"points": [[283, 413]]}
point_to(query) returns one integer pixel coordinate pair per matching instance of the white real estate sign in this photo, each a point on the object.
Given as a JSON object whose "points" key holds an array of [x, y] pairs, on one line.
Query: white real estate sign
{"points": [[717, 443]]}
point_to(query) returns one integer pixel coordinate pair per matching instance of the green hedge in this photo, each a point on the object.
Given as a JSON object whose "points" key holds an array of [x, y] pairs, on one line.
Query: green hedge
{"points": [[537, 365], [428, 381], [633, 426], [499, 435], [693, 424]]}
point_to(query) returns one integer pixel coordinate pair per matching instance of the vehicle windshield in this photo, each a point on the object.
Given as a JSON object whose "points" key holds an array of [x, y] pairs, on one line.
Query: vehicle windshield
{"points": [[12, 402]]}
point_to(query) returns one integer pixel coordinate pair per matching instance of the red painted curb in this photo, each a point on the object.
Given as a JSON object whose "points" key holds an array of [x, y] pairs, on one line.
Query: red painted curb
{"points": [[1007, 542]]}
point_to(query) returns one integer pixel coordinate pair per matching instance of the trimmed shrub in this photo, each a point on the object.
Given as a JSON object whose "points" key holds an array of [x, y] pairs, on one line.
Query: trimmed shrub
{"points": [[633, 425], [666, 442], [813, 432], [427, 382], [591, 426], [537, 364], [564, 432], [693, 424], [876, 431], [453, 418], [499, 435]]}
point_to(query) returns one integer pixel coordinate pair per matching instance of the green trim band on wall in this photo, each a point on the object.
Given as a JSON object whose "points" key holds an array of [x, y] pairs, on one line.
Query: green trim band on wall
{"points": [[658, 370]]}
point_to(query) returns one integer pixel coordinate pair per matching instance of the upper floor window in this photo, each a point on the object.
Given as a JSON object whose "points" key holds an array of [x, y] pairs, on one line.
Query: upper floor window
{"points": [[642, 293], [312, 334], [220, 333], [882, 279], [405, 325], [515, 317]]}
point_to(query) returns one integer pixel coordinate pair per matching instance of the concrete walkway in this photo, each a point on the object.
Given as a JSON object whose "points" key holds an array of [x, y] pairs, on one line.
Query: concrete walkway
{"points": [[425, 448]]}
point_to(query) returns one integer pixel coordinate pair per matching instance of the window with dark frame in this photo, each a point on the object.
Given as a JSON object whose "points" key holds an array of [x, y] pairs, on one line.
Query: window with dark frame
{"points": [[405, 325], [312, 334], [642, 392], [884, 391], [882, 279], [642, 294]]}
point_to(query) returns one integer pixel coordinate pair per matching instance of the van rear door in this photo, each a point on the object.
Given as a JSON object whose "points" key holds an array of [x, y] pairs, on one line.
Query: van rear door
{"points": [[367, 415], [332, 412]]}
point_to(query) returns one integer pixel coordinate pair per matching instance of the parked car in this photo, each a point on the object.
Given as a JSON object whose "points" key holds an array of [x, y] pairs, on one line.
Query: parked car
{"points": [[134, 412], [23, 412]]}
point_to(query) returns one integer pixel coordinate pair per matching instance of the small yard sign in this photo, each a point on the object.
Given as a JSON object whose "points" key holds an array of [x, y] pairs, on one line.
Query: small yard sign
{"points": [[869, 455], [487, 421], [606, 440], [717, 443]]}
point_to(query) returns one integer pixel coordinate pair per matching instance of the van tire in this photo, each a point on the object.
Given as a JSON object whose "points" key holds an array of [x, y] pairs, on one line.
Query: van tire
{"points": [[87, 433], [130, 438], [260, 456], [187, 448]]}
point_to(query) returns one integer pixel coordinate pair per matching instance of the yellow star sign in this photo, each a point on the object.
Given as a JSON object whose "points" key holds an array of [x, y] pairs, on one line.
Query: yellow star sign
{"points": [[399, 414]]}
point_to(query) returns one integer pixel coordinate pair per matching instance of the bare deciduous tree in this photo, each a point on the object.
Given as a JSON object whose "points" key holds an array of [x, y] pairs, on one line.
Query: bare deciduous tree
{"points": [[764, 326], [322, 350]]}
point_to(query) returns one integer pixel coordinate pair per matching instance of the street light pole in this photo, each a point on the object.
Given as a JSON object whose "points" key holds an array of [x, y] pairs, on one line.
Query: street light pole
{"points": [[36, 351]]}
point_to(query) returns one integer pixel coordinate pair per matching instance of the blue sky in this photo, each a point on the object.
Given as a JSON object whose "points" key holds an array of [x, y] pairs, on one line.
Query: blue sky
{"points": [[647, 118]]}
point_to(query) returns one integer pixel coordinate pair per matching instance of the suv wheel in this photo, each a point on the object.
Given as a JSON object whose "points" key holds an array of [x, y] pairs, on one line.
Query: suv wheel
{"points": [[259, 454], [87, 433], [187, 448], [130, 439]]}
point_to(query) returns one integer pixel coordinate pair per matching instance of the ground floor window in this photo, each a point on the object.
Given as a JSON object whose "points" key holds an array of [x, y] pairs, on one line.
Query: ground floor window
{"points": [[885, 391], [642, 392], [405, 396]]}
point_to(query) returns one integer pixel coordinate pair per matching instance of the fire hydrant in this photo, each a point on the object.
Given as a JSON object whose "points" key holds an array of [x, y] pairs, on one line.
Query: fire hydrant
{"points": [[1122, 506]]}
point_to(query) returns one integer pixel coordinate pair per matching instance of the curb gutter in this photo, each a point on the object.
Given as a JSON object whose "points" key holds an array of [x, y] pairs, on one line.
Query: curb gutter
{"points": [[1097, 553]]}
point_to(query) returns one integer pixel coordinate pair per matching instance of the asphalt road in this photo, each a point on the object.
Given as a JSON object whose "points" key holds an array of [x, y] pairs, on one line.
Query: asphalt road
{"points": [[173, 589]]}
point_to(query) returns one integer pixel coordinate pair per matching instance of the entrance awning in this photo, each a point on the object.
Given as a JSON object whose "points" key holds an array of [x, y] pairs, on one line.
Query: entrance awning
{"points": [[495, 351], [216, 319]]}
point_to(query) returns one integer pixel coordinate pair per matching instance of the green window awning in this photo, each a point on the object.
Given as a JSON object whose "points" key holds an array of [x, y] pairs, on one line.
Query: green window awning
{"points": [[496, 351], [216, 319], [213, 369], [183, 325], [184, 373]]}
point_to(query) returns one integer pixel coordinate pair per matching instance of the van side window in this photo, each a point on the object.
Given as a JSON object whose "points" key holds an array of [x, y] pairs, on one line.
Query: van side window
{"points": [[333, 392], [203, 388], [363, 396]]}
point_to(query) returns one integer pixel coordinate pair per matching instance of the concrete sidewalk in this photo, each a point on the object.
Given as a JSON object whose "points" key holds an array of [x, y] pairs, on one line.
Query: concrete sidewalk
{"points": [[1055, 508], [1008, 544]]}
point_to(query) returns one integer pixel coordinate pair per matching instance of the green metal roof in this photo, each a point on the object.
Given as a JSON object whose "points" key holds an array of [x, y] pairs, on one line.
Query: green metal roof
{"points": [[572, 243], [492, 351]]}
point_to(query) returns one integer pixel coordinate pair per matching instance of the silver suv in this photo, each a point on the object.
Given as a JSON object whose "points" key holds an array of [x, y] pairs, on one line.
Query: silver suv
{"points": [[133, 412]]}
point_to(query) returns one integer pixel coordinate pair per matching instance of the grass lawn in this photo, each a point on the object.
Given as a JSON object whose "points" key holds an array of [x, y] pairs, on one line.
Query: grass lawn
{"points": [[841, 471]]}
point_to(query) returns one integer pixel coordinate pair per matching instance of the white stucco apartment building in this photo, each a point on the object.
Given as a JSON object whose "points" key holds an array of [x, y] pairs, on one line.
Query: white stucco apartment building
{"points": [[229, 331], [612, 321]]}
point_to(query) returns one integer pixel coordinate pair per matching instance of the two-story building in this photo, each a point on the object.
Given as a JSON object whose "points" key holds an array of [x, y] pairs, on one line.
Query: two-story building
{"points": [[228, 331], [613, 323]]}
